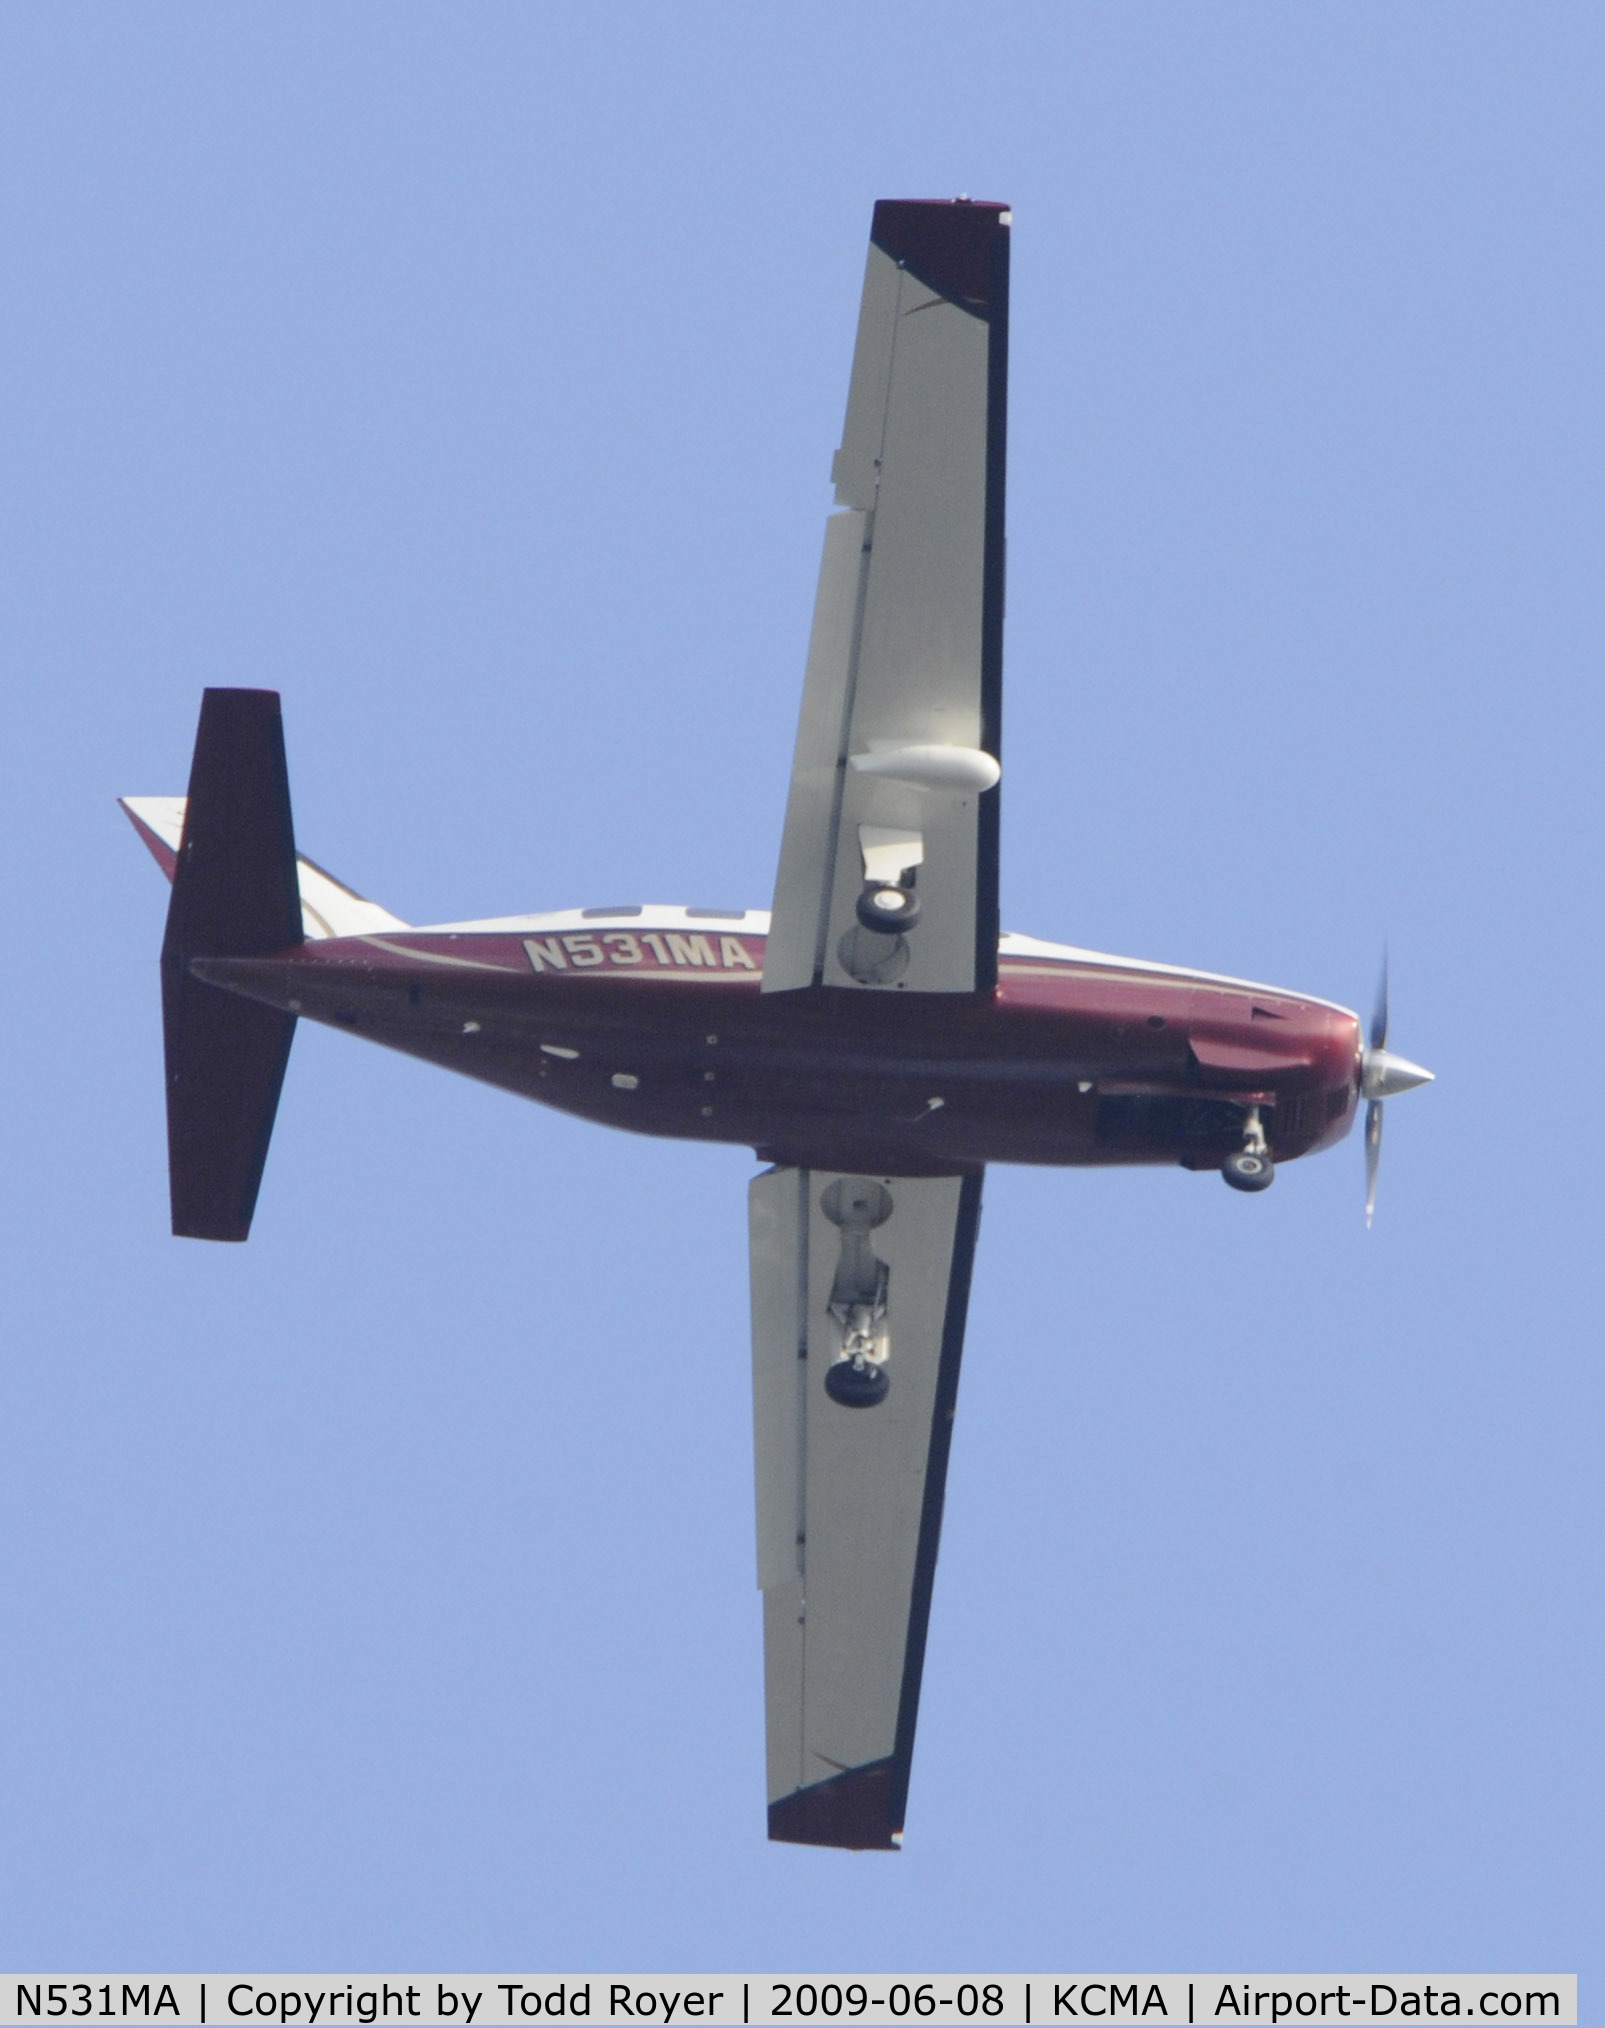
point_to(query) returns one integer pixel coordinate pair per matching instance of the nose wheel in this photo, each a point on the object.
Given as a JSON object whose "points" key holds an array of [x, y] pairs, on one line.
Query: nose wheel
{"points": [[1250, 1167]]}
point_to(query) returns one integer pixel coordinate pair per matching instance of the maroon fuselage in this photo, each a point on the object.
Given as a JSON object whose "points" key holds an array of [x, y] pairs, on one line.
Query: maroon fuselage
{"points": [[1069, 1061]]}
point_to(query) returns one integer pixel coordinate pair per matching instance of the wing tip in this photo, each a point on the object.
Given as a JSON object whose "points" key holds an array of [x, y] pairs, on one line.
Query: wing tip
{"points": [[949, 243], [852, 1811]]}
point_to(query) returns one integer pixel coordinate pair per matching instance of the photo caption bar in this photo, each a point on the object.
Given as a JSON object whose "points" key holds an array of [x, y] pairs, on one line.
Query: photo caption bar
{"points": [[882, 2000]]}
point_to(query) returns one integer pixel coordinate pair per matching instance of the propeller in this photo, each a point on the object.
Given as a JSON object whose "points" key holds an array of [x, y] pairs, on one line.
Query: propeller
{"points": [[1383, 1075]]}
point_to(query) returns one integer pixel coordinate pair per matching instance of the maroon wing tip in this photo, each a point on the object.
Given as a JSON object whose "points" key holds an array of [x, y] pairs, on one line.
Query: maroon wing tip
{"points": [[951, 244], [851, 1810]]}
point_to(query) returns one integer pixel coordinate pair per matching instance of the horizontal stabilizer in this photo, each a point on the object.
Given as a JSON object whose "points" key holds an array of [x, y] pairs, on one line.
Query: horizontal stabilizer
{"points": [[235, 894], [328, 907]]}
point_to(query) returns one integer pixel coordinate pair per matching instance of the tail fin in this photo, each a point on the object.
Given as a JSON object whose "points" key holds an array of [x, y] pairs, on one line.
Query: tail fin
{"points": [[235, 895]]}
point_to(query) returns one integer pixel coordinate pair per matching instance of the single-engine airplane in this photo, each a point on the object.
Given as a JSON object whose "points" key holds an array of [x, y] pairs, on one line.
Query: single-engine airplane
{"points": [[873, 1038]]}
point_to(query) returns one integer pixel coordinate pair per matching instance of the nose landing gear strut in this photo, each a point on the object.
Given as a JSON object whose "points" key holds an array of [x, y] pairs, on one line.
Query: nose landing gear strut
{"points": [[1250, 1167]]}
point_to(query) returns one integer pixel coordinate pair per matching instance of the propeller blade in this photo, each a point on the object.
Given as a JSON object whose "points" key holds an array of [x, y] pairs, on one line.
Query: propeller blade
{"points": [[1373, 1156], [1379, 1013]]}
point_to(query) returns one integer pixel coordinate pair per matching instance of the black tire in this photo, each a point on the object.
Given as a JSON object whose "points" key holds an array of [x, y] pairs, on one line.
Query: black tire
{"points": [[1249, 1169], [887, 908], [856, 1383]]}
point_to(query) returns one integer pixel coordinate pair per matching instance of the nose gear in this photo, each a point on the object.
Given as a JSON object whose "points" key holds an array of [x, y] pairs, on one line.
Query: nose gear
{"points": [[1250, 1167]]}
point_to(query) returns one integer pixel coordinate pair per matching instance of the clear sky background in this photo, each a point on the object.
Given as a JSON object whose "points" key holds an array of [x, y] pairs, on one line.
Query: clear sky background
{"points": [[380, 1595]]}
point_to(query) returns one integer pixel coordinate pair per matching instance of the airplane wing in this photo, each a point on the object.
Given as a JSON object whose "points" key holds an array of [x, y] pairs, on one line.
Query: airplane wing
{"points": [[850, 1485], [888, 871]]}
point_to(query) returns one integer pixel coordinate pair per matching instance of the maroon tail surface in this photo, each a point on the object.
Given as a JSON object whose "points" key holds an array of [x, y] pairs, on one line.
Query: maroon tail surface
{"points": [[235, 895]]}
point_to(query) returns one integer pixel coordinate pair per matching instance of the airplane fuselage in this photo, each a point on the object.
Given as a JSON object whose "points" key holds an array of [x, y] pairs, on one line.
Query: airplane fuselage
{"points": [[875, 1042], [652, 1020]]}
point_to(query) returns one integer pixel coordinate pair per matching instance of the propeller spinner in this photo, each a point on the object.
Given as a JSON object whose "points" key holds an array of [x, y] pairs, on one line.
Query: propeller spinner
{"points": [[1383, 1075]]}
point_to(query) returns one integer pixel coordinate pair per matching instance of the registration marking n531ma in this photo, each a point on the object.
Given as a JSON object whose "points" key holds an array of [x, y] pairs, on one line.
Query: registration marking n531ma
{"points": [[584, 951]]}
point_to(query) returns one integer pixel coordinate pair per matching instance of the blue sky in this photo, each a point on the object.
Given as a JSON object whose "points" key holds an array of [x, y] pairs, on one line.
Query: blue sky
{"points": [[380, 1595]]}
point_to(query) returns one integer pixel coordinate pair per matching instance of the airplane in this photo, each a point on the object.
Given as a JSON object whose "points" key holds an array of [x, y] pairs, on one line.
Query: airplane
{"points": [[873, 1037]]}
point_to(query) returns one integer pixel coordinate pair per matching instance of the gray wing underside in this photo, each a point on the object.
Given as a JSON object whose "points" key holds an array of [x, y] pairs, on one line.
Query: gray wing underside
{"points": [[850, 1499], [906, 648]]}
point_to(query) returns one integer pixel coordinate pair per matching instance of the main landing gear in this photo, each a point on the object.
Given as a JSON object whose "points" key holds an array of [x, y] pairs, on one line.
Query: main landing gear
{"points": [[889, 906], [1250, 1167], [857, 1377]]}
